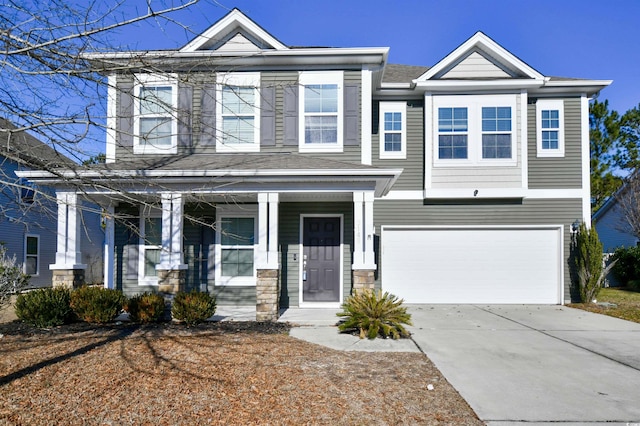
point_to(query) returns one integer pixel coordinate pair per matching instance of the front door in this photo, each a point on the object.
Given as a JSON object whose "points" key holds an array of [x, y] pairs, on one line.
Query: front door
{"points": [[321, 259]]}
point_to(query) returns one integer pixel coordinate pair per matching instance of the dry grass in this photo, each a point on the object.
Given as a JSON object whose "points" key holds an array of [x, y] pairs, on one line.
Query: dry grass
{"points": [[627, 304], [220, 373]]}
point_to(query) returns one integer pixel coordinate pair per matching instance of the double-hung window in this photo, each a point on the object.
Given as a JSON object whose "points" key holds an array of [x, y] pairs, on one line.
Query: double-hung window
{"points": [[155, 120], [474, 130], [236, 242], [550, 128], [321, 106], [32, 254], [392, 130], [150, 248], [238, 118]]}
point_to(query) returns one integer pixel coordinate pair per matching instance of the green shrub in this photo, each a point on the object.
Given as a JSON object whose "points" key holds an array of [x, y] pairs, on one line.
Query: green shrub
{"points": [[193, 307], [145, 308], [590, 270], [627, 267], [97, 304], [373, 313], [46, 307]]}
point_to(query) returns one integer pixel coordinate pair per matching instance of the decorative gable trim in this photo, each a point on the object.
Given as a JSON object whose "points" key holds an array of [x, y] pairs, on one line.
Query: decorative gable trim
{"points": [[488, 48], [227, 29]]}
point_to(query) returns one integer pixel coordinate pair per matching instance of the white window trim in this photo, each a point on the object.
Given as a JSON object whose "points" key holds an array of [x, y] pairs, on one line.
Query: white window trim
{"points": [[474, 106], [24, 266], [242, 79], [142, 246], [143, 80], [544, 105], [223, 212], [321, 77], [400, 107]]}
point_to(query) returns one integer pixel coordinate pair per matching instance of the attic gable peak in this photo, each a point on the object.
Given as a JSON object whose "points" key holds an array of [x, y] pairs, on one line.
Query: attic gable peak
{"points": [[234, 32]]}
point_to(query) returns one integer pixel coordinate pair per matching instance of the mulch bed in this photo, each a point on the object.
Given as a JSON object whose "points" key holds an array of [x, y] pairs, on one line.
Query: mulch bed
{"points": [[240, 373]]}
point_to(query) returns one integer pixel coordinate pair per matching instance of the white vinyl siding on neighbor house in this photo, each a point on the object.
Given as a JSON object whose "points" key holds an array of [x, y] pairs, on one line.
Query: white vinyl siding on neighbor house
{"points": [[155, 115], [473, 264], [32, 255], [550, 128], [235, 247], [393, 130], [321, 111], [238, 118]]}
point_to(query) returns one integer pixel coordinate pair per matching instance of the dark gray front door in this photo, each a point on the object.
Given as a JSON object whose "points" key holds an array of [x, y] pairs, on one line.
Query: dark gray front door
{"points": [[321, 259]]}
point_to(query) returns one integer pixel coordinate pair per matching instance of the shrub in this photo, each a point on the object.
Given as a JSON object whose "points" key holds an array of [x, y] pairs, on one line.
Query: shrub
{"points": [[97, 304], [590, 270], [12, 280], [145, 308], [45, 307], [627, 267], [373, 313], [193, 307]]}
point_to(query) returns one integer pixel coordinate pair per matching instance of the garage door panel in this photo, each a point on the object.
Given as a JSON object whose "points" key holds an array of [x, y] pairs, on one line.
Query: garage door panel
{"points": [[472, 265]]}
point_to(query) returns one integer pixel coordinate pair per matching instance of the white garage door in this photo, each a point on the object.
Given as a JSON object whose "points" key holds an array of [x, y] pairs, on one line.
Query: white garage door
{"points": [[473, 264]]}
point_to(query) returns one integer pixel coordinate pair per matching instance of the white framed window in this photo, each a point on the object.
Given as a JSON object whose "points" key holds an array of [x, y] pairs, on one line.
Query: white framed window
{"points": [[550, 127], [393, 130], [32, 255], [27, 191], [150, 247], [321, 111], [236, 246], [238, 117], [474, 130], [155, 120]]}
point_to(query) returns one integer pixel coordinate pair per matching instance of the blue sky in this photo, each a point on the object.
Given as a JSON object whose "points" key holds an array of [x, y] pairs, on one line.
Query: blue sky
{"points": [[592, 39]]}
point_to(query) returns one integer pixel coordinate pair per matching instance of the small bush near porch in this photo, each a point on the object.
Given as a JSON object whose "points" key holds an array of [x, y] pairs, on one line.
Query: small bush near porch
{"points": [[616, 302]]}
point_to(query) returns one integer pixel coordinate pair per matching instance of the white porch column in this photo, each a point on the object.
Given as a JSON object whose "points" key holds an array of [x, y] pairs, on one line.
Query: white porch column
{"points": [[109, 246], [171, 256], [68, 254], [267, 255], [363, 231]]}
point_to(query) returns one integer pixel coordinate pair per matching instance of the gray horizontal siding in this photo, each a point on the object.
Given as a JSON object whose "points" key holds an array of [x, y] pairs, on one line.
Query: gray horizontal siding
{"points": [[289, 231], [530, 212], [564, 172], [412, 177]]}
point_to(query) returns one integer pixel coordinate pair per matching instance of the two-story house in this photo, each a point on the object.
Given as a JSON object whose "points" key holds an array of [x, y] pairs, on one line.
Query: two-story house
{"points": [[28, 213], [289, 176]]}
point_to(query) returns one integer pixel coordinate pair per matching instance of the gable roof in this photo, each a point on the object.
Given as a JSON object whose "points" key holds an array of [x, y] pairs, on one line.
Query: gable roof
{"points": [[25, 149], [234, 32]]}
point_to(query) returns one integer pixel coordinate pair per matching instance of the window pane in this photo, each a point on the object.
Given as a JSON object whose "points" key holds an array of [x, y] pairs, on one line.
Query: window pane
{"points": [[238, 100], [452, 119], [153, 231], [496, 146], [452, 147], [496, 119], [393, 142], [237, 231], [155, 100], [321, 129], [550, 119], [237, 262], [155, 131], [31, 265], [550, 139], [151, 259], [321, 98], [32, 245], [392, 121], [238, 130]]}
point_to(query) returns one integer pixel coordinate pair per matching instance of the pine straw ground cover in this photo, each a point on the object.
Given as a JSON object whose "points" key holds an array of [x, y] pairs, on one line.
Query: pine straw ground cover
{"points": [[215, 373]]}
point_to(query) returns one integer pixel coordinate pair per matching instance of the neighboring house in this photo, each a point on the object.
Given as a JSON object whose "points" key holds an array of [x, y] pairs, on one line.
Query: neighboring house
{"points": [[611, 225], [28, 214], [290, 176]]}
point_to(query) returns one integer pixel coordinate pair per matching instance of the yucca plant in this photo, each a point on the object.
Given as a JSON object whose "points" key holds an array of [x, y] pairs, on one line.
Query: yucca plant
{"points": [[373, 313]]}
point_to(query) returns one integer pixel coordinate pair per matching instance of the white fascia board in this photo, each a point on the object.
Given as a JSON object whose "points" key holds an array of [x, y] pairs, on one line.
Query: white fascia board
{"points": [[458, 85], [486, 44], [233, 19]]}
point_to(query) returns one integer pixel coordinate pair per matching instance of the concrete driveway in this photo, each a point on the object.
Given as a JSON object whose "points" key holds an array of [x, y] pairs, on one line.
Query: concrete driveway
{"points": [[535, 364]]}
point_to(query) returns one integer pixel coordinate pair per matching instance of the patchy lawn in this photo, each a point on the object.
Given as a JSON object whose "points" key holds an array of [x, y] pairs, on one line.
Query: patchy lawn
{"points": [[628, 304], [216, 373]]}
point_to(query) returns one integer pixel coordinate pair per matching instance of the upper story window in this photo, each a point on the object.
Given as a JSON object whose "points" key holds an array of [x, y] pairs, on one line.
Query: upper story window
{"points": [[475, 130], [155, 121], [236, 240], [393, 130], [150, 248], [27, 191], [32, 254], [321, 107], [550, 128], [238, 118]]}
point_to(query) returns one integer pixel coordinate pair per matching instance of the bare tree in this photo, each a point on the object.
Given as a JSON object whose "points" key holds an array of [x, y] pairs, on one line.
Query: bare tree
{"points": [[628, 201]]}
